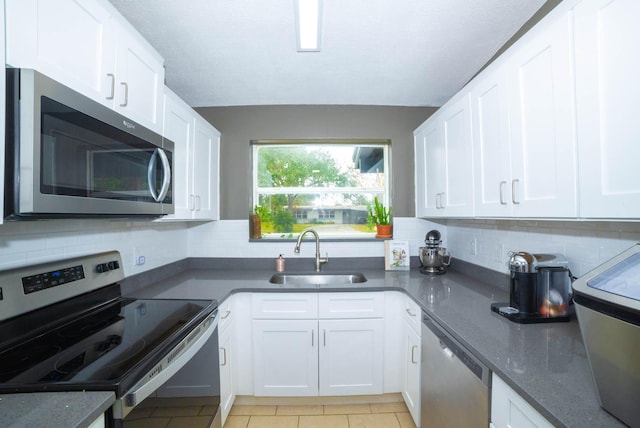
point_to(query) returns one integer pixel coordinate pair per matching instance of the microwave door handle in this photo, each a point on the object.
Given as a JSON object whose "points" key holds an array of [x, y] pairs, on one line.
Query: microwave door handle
{"points": [[150, 170], [166, 180]]}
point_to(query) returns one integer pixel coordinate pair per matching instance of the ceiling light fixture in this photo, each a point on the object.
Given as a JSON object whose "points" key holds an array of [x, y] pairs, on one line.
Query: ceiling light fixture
{"points": [[308, 24]]}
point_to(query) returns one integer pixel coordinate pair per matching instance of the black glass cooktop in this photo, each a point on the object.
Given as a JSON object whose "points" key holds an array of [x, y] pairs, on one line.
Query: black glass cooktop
{"points": [[102, 348]]}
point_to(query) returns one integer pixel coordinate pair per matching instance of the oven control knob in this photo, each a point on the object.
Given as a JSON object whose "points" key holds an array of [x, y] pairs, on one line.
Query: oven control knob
{"points": [[113, 265]]}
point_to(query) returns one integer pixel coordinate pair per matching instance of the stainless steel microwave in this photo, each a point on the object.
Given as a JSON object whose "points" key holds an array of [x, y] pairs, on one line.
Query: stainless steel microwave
{"points": [[69, 156]]}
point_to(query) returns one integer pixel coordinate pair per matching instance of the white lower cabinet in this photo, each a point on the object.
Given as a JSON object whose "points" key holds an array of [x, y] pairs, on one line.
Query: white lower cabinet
{"points": [[351, 356], [508, 409], [285, 357], [297, 354], [412, 358], [226, 350]]}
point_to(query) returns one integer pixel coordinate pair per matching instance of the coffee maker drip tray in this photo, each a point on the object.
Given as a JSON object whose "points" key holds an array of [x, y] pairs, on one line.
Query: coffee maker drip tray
{"points": [[428, 270], [515, 315]]}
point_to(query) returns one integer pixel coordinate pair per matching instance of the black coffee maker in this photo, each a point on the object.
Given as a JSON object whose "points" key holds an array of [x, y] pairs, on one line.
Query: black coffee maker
{"points": [[540, 289]]}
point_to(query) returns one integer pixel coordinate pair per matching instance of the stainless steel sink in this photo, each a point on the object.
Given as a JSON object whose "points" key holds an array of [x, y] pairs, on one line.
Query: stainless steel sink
{"points": [[317, 278]]}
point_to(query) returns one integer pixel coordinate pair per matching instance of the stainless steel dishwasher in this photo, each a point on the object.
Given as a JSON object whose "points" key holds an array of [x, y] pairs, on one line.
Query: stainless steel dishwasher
{"points": [[454, 384]]}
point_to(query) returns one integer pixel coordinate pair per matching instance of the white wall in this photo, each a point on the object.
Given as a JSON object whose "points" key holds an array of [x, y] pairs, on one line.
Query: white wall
{"points": [[586, 244], [230, 238], [29, 242]]}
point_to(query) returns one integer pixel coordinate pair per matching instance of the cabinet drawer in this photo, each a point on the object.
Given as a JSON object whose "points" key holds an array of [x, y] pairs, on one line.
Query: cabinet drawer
{"points": [[285, 305], [412, 313], [351, 305]]}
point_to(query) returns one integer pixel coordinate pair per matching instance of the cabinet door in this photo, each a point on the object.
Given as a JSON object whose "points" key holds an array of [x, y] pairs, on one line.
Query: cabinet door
{"points": [[139, 80], [435, 154], [425, 138], [607, 65], [411, 373], [71, 41], [543, 178], [351, 356], [205, 170], [508, 409], [456, 198], [178, 124], [285, 357], [491, 151], [227, 395]]}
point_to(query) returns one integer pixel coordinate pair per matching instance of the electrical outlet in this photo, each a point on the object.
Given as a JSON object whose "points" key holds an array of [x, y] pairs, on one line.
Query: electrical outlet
{"points": [[474, 247], [138, 256]]}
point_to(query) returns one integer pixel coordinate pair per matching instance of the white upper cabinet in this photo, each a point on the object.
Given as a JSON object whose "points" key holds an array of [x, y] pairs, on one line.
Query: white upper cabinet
{"points": [[71, 41], [444, 168], [195, 161], [456, 197], [88, 46], [543, 153], [139, 79], [491, 150], [607, 65], [427, 167], [205, 171]]}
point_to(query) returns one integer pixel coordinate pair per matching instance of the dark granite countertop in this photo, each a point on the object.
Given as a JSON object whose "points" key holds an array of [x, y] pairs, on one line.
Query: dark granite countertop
{"points": [[545, 363], [53, 409]]}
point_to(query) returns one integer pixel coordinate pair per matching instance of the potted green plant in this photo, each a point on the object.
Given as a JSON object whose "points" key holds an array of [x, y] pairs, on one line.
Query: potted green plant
{"points": [[381, 217]]}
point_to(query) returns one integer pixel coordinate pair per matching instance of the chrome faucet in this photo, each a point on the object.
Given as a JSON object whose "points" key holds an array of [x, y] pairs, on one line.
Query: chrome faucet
{"points": [[319, 261]]}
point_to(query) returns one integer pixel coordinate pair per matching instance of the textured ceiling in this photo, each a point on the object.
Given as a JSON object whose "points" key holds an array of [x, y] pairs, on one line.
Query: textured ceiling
{"points": [[374, 52]]}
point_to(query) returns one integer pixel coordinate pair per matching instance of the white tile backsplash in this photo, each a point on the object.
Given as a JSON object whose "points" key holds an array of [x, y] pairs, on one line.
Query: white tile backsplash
{"points": [[230, 238], [586, 244], [29, 242]]}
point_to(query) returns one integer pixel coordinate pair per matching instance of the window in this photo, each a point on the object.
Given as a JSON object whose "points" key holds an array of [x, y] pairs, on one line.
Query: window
{"points": [[327, 184]]}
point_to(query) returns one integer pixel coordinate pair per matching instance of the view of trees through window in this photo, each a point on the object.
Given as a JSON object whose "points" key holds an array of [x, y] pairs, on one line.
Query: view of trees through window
{"points": [[326, 184]]}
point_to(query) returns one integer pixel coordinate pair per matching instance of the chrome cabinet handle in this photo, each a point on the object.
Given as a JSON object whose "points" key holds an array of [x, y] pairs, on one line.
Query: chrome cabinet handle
{"points": [[113, 86], [126, 94], [410, 313], [442, 206], [192, 202], [224, 354], [502, 201], [514, 186], [437, 201], [324, 338], [226, 315], [413, 349], [312, 341], [198, 205]]}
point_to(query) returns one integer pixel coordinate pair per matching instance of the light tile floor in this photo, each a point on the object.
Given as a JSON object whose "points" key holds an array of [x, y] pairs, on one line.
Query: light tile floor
{"points": [[368, 415]]}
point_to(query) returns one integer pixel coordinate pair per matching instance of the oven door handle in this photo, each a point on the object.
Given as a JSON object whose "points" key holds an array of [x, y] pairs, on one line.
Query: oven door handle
{"points": [[152, 382]]}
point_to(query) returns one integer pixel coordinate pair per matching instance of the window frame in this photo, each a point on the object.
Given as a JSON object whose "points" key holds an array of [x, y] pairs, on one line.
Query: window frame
{"points": [[386, 199]]}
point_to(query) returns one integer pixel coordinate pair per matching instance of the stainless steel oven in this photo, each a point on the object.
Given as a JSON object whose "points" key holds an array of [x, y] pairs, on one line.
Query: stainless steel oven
{"points": [[66, 327], [69, 156]]}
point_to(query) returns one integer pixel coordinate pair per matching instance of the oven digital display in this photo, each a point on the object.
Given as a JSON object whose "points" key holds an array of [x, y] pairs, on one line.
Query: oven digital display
{"points": [[41, 281]]}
